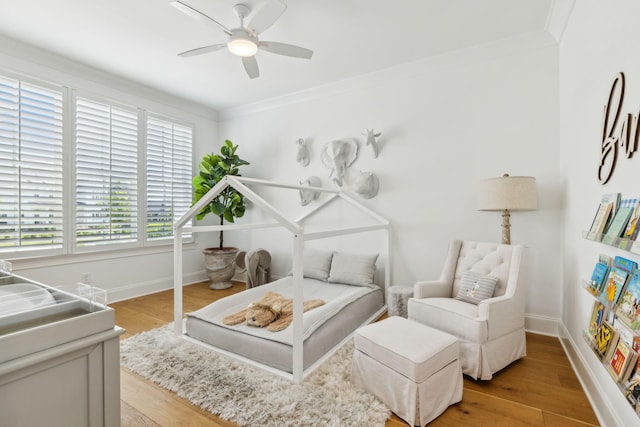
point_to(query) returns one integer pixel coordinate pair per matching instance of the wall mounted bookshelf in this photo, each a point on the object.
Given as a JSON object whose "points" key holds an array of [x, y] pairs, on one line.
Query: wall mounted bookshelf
{"points": [[605, 325]]}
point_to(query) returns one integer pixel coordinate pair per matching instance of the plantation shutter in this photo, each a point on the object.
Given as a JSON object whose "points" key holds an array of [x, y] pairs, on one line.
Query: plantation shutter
{"points": [[106, 155], [169, 173], [31, 181]]}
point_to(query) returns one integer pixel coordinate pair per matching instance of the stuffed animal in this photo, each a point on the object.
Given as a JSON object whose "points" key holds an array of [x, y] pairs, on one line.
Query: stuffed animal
{"points": [[273, 311]]}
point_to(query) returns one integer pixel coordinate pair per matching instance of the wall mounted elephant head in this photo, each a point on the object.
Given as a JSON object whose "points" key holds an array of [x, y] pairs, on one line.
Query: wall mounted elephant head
{"points": [[338, 155]]}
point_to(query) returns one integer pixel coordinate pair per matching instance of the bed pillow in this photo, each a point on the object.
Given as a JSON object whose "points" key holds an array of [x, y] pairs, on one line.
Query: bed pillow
{"points": [[475, 287], [353, 269], [316, 264]]}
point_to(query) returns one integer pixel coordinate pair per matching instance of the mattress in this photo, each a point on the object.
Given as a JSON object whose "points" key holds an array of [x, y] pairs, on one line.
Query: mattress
{"points": [[347, 307]]}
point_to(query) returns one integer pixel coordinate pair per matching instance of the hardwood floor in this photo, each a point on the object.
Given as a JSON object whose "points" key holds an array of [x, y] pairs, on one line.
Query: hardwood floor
{"points": [[539, 390]]}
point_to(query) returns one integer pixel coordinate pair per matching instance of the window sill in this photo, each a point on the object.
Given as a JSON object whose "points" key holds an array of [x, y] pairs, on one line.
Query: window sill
{"points": [[56, 260]]}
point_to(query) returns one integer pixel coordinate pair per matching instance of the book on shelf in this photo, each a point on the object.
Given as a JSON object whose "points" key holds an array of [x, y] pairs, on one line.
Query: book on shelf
{"points": [[606, 339], [621, 361], [614, 199], [618, 224], [628, 309], [625, 264], [605, 259], [598, 276], [598, 314], [613, 287], [631, 232], [600, 221]]}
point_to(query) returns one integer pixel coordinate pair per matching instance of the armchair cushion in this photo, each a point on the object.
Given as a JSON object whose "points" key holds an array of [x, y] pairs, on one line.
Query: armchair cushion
{"points": [[475, 287]]}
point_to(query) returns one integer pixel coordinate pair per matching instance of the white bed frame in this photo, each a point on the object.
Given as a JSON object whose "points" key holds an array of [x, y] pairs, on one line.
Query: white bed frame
{"points": [[299, 236]]}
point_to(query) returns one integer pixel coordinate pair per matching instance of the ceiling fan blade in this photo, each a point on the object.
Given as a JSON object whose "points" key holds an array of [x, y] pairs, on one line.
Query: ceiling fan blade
{"points": [[201, 50], [188, 10], [286, 49], [251, 66], [266, 16]]}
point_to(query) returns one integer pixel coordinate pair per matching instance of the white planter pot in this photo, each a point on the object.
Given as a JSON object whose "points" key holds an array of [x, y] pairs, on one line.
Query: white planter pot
{"points": [[220, 265]]}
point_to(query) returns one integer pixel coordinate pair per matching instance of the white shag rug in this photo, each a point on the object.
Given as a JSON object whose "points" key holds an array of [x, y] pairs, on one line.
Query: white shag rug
{"points": [[247, 395]]}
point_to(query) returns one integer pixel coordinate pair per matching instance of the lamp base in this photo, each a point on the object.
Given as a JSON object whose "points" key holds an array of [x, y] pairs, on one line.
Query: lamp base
{"points": [[506, 227]]}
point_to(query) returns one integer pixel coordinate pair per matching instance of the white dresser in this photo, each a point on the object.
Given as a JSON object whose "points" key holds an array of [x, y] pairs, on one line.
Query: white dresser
{"points": [[59, 361]]}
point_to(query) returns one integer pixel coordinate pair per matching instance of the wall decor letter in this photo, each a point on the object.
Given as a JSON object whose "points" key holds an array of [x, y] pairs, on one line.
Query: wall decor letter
{"points": [[612, 138]]}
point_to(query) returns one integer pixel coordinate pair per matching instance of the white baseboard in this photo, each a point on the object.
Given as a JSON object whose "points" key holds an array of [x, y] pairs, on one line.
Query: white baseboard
{"points": [[541, 325], [602, 403], [151, 287]]}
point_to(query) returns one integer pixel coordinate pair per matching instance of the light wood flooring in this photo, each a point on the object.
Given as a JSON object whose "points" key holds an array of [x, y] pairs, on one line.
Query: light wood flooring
{"points": [[539, 390]]}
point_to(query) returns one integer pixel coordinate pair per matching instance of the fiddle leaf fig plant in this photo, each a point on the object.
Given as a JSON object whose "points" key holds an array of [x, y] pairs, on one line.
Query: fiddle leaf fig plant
{"points": [[229, 204]]}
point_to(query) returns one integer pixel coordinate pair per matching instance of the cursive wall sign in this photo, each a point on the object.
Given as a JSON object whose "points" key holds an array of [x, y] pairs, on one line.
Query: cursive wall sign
{"points": [[626, 136]]}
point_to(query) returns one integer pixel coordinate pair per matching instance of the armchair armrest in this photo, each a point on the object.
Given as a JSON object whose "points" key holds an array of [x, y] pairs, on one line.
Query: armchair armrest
{"points": [[504, 314], [431, 288]]}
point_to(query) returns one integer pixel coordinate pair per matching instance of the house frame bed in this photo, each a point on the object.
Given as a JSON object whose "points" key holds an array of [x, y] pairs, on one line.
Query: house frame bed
{"points": [[299, 237]]}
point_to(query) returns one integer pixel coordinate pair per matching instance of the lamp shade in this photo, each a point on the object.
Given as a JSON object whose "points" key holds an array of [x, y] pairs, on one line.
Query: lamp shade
{"points": [[515, 193]]}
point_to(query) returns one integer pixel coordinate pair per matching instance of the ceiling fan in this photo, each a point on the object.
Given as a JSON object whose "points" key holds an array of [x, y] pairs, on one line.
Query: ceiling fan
{"points": [[243, 40]]}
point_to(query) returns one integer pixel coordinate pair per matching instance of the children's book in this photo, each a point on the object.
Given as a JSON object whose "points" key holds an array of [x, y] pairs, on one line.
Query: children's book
{"points": [[614, 199], [606, 339], [597, 317], [598, 277], [628, 309], [600, 221], [625, 264], [631, 232], [621, 359], [619, 222], [615, 283]]}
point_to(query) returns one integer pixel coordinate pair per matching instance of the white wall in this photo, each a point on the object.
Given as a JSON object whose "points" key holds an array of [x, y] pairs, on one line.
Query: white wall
{"points": [[123, 273], [446, 123], [600, 40]]}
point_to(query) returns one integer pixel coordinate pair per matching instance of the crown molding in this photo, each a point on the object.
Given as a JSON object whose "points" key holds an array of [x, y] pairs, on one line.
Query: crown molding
{"points": [[501, 48], [558, 17]]}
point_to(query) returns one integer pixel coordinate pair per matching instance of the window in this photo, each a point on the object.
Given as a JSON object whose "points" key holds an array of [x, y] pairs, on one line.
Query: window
{"points": [[80, 173], [106, 180], [169, 172], [31, 172]]}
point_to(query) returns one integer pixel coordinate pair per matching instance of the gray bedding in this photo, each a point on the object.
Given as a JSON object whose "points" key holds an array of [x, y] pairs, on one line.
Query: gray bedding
{"points": [[347, 307]]}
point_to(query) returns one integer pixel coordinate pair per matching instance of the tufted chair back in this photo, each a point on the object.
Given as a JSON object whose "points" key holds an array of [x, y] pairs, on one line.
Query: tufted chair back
{"points": [[490, 259]]}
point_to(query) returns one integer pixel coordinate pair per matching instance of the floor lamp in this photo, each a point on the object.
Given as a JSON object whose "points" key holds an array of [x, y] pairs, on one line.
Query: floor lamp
{"points": [[505, 194]]}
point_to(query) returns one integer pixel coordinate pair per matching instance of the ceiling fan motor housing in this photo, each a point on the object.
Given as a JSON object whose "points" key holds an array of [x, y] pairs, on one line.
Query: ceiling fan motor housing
{"points": [[241, 43]]}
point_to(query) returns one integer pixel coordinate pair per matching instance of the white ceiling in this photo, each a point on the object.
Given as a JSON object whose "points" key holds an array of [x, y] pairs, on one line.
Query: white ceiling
{"points": [[139, 39]]}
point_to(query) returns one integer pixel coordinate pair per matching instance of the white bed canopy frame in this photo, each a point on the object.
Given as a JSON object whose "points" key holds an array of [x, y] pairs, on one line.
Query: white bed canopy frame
{"points": [[299, 236]]}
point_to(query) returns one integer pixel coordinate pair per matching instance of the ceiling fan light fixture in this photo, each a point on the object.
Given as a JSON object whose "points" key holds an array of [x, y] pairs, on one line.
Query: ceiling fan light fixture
{"points": [[240, 44]]}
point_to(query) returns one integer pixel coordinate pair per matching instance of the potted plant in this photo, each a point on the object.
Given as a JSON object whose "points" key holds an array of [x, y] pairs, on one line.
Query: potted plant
{"points": [[228, 205]]}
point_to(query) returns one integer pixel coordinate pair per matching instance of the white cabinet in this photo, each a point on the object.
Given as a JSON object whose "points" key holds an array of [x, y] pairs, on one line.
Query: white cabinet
{"points": [[59, 364]]}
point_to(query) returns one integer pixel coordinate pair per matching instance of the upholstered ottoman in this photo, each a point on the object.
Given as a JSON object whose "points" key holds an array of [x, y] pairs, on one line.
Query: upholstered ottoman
{"points": [[412, 368]]}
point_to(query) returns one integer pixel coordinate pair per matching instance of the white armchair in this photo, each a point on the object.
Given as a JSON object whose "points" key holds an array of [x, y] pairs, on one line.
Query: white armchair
{"points": [[491, 334]]}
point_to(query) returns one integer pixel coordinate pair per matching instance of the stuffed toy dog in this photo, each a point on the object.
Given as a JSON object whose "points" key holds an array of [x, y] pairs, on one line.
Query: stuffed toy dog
{"points": [[273, 311]]}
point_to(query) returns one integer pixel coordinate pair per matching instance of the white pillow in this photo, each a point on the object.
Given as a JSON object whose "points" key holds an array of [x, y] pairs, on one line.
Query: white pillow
{"points": [[475, 287], [353, 269], [316, 264]]}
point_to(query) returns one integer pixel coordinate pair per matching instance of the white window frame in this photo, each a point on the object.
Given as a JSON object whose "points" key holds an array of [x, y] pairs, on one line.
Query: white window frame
{"points": [[72, 236], [34, 251], [68, 247], [186, 237]]}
